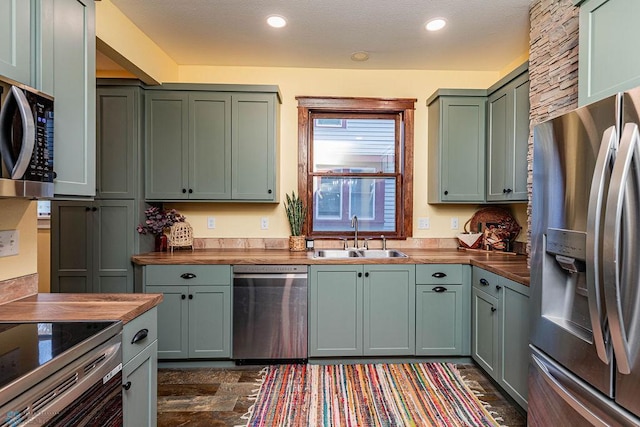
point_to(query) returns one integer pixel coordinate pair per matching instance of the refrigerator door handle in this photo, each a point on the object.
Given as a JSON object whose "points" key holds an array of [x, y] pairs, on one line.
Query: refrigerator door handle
{"points": [[594, 239], [622, 347], [554, 380]]}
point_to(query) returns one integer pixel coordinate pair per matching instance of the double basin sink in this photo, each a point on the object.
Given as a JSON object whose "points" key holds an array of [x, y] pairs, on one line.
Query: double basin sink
{"points": [[359, 253]]}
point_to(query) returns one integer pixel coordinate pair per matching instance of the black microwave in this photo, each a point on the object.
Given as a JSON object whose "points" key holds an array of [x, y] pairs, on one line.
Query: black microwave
{"points": [[26, 138]]}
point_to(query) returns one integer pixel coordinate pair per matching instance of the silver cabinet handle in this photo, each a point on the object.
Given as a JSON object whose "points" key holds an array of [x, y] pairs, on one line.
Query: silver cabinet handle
{"points": [[556, 384], [622, 201], [604, 164], [17, 167]]}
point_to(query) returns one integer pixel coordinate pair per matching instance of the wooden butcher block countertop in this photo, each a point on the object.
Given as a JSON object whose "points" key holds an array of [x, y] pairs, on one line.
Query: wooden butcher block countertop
{"points": [[513, 267], [56, 307]]}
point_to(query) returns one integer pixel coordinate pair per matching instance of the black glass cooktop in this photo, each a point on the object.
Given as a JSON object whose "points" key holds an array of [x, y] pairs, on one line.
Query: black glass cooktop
{"points": [[25, 347]]}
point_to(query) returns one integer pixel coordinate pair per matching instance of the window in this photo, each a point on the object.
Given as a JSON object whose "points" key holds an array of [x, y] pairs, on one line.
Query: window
{"points": [[356, 159]]}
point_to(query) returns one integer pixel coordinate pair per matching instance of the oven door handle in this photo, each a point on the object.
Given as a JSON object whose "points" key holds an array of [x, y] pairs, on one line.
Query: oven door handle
{"points": [[17, 99]]}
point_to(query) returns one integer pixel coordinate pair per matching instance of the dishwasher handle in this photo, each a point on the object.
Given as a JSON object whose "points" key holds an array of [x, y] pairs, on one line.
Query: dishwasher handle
{"points": [[269, 276]]}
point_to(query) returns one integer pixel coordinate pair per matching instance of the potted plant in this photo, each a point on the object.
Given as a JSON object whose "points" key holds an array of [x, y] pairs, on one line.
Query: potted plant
{"points": [[157, 222], [296, 214]]}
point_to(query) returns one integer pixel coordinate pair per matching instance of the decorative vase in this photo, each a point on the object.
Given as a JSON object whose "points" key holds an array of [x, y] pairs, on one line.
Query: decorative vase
{"points": [[297, 243], [161, 243]]}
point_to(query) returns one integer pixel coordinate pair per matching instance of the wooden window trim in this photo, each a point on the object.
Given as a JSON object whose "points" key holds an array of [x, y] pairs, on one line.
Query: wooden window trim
{"points": [[404, 106]]}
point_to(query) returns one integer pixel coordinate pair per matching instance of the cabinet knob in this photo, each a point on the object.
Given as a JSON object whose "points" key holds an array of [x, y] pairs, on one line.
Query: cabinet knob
{"points": [[127, 386], [439, 289], [188, 276], [366, 274], [87, 209], [493, 309], [439, 275], [446, 192], [140, 335], [509, 190], [359, 274], [504, 190], [190, 296], [484, 282], [190, 190], [184, 190], [94, 209], [269, 191], [183, 296], [498, 287]]}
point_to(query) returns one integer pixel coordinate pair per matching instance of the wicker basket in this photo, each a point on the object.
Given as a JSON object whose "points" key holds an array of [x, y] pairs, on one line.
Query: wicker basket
{"points": [[181, 235], [297, 243], [498, 226]]}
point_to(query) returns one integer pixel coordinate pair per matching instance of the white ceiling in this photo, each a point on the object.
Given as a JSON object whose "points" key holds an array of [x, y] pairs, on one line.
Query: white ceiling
{"points": [[481, 34]]}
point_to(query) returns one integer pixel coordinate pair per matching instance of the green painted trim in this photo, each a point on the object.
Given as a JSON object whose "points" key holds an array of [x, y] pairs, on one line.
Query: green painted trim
{"points": [[389, 359], [519, 70], [456, 92], [213, 87]]}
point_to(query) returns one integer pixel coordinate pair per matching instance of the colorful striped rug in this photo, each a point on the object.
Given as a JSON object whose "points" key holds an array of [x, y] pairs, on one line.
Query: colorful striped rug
{"points": [[420, 394]]}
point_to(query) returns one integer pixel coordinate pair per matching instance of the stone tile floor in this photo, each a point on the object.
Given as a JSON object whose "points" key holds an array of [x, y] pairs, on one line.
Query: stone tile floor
{"points": [[219, 397]]}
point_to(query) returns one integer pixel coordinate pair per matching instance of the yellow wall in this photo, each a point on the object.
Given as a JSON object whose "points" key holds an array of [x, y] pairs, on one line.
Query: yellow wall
{"points": [[243, 220], [21, 215], [44, 259]]}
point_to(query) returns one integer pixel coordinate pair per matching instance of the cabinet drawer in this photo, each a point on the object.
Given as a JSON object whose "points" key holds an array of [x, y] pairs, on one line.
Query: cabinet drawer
{"points": [[188, 275], [439, 274], [139, 333], [487, 282]]}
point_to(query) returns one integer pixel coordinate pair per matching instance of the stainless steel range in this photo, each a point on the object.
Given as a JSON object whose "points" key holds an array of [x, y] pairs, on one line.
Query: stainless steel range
{"points": [[61, 373]]}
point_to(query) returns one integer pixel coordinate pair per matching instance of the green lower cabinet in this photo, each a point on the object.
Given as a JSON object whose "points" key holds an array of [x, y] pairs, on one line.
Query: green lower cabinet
{"points": [[140, 385], [357, 310], [440, 329], [443, 302], [194, 320], [500, 331]]}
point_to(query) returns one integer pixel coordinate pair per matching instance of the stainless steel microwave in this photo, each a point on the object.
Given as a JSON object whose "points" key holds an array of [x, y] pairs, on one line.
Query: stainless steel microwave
{"points": [[26, 141]]}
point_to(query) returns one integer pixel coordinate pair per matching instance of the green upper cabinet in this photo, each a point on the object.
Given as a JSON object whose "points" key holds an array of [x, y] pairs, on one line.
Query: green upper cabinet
{"points": [[211, 145], [508, 138], [606, 63], [15, 40], [65, 68], [456, 164], [119, 142], [254, 147]]}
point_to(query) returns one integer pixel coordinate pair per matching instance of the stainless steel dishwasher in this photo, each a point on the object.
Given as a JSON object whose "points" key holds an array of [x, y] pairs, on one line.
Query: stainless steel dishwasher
{"points": [[269, 313]]}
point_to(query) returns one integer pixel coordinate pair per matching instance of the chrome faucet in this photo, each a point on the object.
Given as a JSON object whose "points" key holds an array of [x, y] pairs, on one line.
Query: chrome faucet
{"points": [[354, 224], [384, 242]]}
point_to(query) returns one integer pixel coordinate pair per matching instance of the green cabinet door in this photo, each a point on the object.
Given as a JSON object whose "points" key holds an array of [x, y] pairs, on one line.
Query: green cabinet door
{"points": [[254, 146], [485, 344], [118, 143], [389, 310], [456, 147], [209, 321], [210, 145], [514, 308], [71, 247], [167, 149], [508, 138], [65, 68], [15, 40], [173, 321], [140, 388], [607, 64], [439, 320], [335, 310], [113, 245]]}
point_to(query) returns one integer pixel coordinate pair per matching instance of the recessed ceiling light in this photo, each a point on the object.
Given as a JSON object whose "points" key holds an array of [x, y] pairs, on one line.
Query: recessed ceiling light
{"points": [[359, 56], [435, 24], [276, 21]]}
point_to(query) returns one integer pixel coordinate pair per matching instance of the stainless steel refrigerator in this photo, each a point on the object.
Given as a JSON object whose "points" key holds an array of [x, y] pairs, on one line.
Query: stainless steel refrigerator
{"points": [[585, 267]]}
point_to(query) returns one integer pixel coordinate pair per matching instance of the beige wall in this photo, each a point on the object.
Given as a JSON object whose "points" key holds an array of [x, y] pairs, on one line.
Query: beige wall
{"points": [[44, 259], [21, 215]]}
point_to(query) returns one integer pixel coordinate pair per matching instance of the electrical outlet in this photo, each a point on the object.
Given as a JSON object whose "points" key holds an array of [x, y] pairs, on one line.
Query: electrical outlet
{"points": [[423, 223], [9, 242], [264, 223], [211, 222], [454, 222]]}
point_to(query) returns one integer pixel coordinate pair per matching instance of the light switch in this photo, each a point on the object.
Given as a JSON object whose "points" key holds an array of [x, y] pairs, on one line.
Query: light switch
{"points": [[264, 223], [423, 223]]}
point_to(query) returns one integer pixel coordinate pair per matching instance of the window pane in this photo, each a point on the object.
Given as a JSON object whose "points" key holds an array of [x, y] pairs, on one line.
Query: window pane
{"points": [[358, 143], [338, 199]]}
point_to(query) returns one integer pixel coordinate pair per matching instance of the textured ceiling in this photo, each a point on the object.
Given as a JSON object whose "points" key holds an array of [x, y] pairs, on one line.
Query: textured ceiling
{"points": [[480, 35]]}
